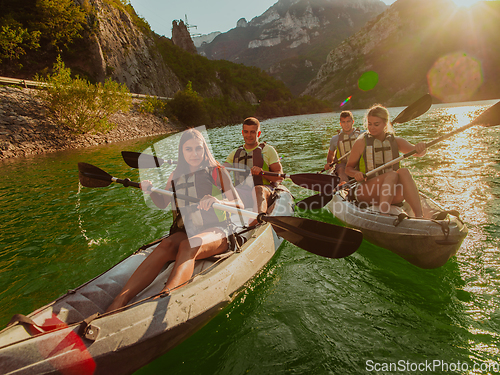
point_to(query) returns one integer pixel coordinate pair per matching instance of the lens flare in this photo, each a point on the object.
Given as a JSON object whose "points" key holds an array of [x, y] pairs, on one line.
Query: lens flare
{"points": [[455, 77], [368, 80], [345, 101]]}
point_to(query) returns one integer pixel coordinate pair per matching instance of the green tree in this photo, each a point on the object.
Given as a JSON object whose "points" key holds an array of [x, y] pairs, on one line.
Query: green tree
{"points": [[80, 105], [188, 107], [15, 40], [60, 21]]}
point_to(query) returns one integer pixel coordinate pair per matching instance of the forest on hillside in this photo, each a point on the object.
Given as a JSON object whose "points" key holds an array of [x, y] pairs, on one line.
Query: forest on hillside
{"points": [[33, 33]]}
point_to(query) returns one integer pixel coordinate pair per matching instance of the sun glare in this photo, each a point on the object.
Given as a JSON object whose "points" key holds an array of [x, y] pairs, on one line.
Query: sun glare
{"points": [[465, 3]]}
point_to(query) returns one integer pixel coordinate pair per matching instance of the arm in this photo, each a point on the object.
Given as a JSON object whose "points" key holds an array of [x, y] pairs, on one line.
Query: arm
{"points": [[352, 162], [275, 167], [405, 146], [230, 193], [161, 201], [329, 159], [229, 159], [272, 159], [332, 151]]}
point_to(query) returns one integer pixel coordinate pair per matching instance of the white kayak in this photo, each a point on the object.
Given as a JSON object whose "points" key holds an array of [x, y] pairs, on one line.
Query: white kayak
{"points": [[425, 243], [66, 336]]}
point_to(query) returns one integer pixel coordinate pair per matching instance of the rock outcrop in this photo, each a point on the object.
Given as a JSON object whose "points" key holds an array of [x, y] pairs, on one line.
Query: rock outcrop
{"points": [[415, 47], [181, 37], [207, 38], [242, 22], [120, 50], [292, 38]]}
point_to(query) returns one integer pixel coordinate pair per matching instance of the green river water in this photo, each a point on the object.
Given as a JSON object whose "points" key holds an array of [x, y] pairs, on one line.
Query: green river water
{"points": [[303, 314]]}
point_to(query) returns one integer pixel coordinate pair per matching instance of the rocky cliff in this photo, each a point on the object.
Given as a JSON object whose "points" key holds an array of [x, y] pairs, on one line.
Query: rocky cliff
{"points": [[414, 47], [292, 38], [181, 36], [123, 47], [119, 49], [207, 38]]}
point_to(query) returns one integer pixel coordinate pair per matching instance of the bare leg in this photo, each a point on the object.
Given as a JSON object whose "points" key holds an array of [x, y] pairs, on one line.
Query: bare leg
{"points": [[410, 191], [388, 192], [390, 188], [263, 197], [148, 269], [340, 169], [206, 244], [380, 190]]}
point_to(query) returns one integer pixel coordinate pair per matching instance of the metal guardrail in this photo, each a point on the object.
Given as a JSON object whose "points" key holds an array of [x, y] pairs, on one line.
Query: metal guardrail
{"points": [[20, 82], [34, 84]]}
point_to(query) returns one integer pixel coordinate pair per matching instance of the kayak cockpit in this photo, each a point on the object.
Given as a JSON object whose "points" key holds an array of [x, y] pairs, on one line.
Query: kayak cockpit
{"points": [[427, 242]]}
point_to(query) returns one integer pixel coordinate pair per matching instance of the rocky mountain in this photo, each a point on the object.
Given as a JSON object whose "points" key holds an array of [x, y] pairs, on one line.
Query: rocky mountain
{"points": [[118, 48], [107, 39], [293, 37], [206, 38], [414, 47]]}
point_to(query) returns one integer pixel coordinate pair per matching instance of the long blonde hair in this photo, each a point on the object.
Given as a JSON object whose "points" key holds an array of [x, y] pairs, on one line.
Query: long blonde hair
{"points": [[378, 110]]}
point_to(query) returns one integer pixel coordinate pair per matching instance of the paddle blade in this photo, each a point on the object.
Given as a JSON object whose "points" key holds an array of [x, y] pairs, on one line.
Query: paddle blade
{"points": [[139, 160], [490, 117], [91, 176], [323, 239], [414, 110], [323, 183], [314, 202]]}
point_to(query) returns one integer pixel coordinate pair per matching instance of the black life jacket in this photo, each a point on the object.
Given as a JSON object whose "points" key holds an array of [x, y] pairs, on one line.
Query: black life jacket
{"points": [[244, 159], [207, 181]]}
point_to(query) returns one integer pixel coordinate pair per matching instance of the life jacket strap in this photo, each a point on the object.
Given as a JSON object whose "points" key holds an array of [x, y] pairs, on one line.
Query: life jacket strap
{"points": [[185, 185]]}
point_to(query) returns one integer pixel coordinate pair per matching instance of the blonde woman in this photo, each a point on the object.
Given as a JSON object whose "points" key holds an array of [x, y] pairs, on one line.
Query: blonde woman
{"points": [[374, 148]]}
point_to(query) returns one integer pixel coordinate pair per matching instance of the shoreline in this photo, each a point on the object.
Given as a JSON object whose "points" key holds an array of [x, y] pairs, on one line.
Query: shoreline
{"points": [[26, 130]]}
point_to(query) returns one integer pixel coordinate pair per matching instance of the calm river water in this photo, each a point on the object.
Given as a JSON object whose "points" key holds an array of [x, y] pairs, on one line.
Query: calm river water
{"points": [[303, 314]]}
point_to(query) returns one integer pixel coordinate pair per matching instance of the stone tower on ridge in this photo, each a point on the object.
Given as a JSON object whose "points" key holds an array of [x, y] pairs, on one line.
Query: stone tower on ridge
{"points": [[181, 36]]}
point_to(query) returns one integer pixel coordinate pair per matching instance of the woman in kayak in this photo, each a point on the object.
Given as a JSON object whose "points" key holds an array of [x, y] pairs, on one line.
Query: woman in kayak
{"points": [[198, 231], [375, 148]]}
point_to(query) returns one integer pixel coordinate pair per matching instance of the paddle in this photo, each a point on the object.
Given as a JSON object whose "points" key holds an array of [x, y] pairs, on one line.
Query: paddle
{"points": [[313, 181], [323, 239], [490, 117], [314, 202], [414, 110], [411, 112]]}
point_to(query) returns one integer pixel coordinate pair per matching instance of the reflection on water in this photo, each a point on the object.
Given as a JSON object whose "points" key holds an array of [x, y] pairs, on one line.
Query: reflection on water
{"points": [[303, 312]]}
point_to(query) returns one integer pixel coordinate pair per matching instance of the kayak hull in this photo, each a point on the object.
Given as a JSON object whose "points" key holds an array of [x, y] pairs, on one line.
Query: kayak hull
{"points": [[122, 342], [425, 243]]}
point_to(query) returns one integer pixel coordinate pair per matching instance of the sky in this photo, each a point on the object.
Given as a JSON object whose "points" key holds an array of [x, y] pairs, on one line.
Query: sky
{"points": [[209, 15]]}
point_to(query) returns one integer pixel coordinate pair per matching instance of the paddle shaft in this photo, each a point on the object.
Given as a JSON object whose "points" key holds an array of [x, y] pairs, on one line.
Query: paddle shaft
{"points": [[312, 181], [265, 173], [408, 154], [490, 117], [411, 112], [347, 154], [170, 162], [218, 206]]}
